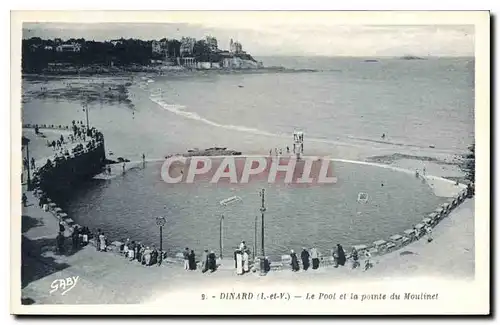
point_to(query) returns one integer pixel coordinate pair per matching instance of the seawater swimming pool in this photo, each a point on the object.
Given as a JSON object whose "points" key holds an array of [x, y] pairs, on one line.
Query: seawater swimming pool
{"points": [[321, 215]]}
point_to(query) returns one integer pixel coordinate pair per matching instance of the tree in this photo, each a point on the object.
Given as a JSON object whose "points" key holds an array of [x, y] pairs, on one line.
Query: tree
{"points": [[201, 51]]}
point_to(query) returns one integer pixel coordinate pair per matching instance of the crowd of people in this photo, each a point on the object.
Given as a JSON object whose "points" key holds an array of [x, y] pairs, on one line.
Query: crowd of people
{"points": [[145, 255], [79, 238]]}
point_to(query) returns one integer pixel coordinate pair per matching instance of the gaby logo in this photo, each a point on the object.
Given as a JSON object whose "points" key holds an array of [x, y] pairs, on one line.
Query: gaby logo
{"points": [[64, 285], [242, 170]]}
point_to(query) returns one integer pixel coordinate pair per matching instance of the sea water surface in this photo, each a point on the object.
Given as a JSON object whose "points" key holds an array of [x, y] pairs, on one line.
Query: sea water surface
{"points": [[347, 101]]}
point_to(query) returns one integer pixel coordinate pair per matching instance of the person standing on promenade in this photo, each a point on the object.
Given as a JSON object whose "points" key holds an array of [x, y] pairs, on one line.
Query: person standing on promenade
{"points": [[147, 257], [123, 167], [125, 247], [246, 258], [304, 256], [340, 255], [212, 264], [24, 199], [335, 258], [142, 252], [315, 258], [60, 243], [239, 262], [96, 238], [192, 261], [295, 262], [143, 160], [102, 242], [204, 261], [355, 257], [154, 256], [138, 250], [131, 251], [61, 227], [368, 261], [186, 258], [74, 238], [428, 231]]}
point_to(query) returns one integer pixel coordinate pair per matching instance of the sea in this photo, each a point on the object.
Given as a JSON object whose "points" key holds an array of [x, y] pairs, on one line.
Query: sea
{"points": [[424, 108]]}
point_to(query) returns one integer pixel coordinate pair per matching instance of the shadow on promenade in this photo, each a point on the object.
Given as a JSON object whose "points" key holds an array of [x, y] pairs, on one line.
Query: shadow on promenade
{"points": [[28, 222], [39, 258], [36, 264]]}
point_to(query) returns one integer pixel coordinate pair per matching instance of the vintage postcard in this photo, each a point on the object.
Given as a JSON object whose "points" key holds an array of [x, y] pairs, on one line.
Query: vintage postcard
{"points": [[250, 163]]}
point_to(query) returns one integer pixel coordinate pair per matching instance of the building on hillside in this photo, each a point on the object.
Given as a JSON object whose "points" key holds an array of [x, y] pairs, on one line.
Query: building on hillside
{"points": [[212, 44], [159, 47], [73, 47], [187, 45], [48, 48], [235, 47]]}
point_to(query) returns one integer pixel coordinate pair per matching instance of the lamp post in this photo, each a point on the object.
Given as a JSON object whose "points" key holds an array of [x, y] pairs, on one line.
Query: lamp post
{"points": [[255, 237], [221, 229], [262, 210], [225, 203], [160, 222]]}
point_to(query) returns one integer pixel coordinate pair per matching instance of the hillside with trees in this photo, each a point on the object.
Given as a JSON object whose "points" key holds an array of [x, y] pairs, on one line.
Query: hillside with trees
{"points": [[37, 53]]}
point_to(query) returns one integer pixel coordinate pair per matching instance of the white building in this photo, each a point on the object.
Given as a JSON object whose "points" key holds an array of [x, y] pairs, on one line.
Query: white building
{"points": [[187, 45], [235, 47], [74, 47], [116, 42]]}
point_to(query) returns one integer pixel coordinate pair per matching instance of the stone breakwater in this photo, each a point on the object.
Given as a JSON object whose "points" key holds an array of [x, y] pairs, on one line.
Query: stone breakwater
{"points": [[78, 161]]}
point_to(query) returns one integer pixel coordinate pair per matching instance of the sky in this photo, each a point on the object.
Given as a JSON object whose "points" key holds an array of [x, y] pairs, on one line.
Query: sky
{"points": [[283, 37]]}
